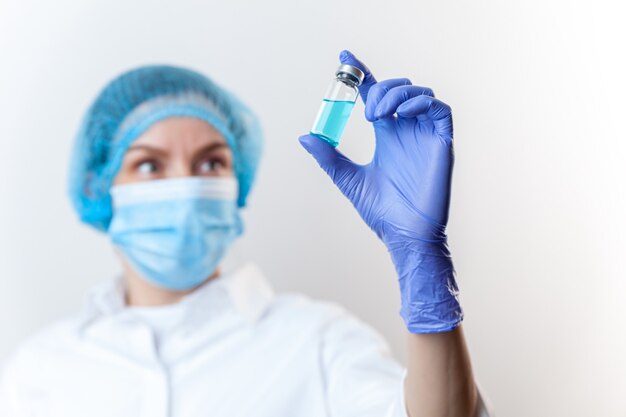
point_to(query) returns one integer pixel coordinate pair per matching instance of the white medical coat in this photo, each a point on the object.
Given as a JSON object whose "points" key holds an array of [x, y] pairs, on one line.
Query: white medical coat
{"points": [[231, 348]]}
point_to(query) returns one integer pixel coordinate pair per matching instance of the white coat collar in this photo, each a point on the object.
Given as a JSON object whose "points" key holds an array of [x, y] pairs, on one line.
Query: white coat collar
{"points": [[246, 288]]}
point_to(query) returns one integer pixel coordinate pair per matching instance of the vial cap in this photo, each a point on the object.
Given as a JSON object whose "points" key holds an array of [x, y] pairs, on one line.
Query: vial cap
{"points": [[351, 73]]}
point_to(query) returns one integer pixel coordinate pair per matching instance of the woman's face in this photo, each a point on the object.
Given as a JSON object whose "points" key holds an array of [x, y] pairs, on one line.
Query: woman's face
{"points": [[176, 147]]}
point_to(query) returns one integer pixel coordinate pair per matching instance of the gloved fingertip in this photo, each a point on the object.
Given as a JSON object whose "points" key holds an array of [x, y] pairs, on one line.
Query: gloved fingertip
{"points": [[323, 152], [305, 141], [345, 56], [314, 145]]}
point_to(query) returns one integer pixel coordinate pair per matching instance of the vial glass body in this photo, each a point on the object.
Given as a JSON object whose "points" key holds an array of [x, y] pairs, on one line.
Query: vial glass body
{"points": [[336, 109]]}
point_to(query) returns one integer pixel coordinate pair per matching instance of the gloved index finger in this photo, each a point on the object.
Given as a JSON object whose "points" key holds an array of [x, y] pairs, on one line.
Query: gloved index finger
{"points": [[346, 57]]}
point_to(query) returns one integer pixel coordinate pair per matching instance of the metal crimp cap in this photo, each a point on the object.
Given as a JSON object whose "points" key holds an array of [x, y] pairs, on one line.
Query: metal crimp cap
{"points": [[351, 73]]}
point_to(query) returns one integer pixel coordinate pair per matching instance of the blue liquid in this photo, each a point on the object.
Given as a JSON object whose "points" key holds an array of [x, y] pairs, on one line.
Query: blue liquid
{"points": [[331, 120]]}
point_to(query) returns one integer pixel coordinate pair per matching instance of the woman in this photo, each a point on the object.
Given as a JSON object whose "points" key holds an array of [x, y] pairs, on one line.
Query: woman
{"points": [[164, 161]]}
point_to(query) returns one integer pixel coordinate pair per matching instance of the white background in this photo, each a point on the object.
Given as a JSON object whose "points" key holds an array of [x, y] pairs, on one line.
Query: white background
{"points": [[537, 223]]}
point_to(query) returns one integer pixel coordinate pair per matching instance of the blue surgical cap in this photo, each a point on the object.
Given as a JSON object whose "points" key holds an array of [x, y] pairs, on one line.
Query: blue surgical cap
{"points": [[128, 106]]}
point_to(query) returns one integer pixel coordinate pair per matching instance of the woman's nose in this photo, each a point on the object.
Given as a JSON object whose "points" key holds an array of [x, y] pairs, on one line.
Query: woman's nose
{"points": [[181, 169]]}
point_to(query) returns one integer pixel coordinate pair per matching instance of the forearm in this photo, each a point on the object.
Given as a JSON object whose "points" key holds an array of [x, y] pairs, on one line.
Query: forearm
{"points": [[439, 381]]}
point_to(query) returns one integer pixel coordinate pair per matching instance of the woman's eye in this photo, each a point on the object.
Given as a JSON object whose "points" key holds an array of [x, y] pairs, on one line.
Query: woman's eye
{"points": [[210, 166], [147, 167]]}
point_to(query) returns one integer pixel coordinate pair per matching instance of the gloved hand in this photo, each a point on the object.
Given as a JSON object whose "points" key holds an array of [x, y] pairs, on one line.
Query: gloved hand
{"points": [[403, 194]]}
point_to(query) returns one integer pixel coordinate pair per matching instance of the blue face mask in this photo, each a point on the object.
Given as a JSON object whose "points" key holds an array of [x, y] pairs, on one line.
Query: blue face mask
{"points": [[175, 231]]}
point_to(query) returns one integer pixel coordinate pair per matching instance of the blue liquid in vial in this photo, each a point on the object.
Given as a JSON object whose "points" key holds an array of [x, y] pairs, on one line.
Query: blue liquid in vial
{"points": [[331, 120]]}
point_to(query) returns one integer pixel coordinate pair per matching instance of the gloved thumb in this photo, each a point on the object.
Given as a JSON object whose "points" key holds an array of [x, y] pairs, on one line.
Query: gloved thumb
{"points": [[332, 161]]}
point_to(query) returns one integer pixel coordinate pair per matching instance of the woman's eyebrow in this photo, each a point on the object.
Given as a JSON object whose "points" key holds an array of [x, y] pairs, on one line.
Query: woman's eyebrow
{"points": [[209, 148], [148, 148]]}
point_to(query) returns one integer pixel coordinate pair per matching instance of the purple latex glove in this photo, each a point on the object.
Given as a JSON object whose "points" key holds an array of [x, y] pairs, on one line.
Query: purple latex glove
{"points": [[403, 194]]}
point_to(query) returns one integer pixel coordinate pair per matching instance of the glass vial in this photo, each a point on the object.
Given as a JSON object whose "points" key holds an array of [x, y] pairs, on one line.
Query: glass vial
{"points": [[337, 104]]}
